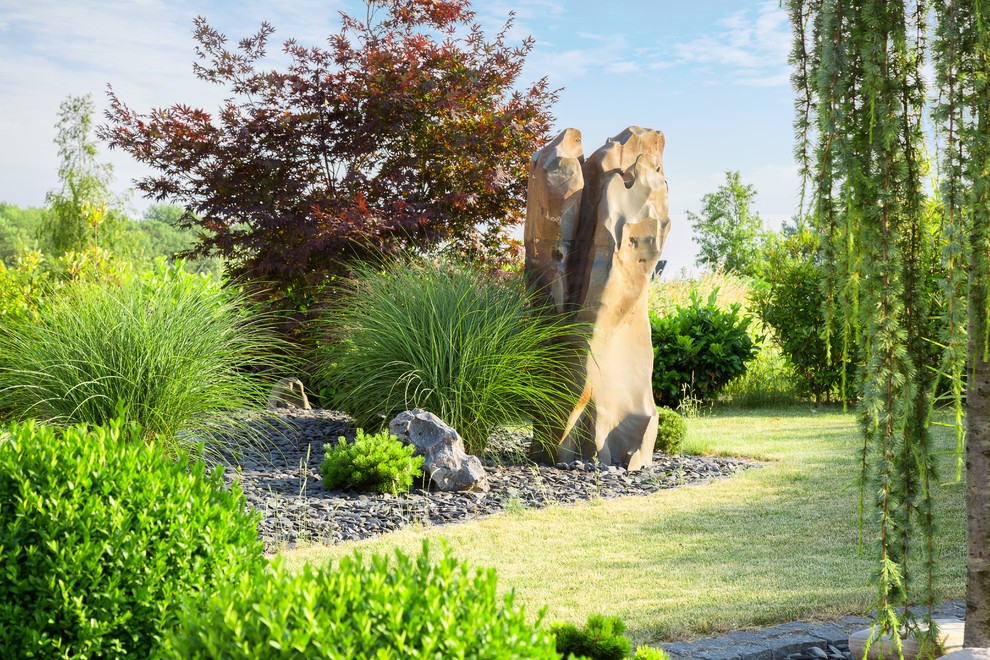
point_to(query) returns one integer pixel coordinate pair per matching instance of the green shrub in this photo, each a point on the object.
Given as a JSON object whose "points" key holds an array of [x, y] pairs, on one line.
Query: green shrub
{"points": [[768, 382], [650, 653], [93, 264], [791, 302], [600, 639], [378, 462], [698, 349], [444, 337], [100, 534], [28, 281], [670, 431], [401, 608], [22, 287], [172, 349]]}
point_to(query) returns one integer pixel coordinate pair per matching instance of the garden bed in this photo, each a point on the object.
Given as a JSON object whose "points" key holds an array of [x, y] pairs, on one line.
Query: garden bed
{"points": [[282, 481]]}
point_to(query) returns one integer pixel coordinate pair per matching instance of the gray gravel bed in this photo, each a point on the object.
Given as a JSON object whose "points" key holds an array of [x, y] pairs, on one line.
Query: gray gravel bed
{"points": [[282, 481]]}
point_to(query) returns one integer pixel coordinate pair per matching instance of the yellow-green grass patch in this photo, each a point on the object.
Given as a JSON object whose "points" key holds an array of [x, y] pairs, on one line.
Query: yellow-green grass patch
{"points": [[774, 544]]}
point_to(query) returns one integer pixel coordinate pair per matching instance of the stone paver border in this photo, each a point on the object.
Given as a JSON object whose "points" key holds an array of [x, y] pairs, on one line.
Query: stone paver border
{"points": [[777, 642]]}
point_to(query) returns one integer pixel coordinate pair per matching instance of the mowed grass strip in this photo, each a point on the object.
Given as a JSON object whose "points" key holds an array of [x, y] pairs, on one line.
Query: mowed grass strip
{"points": [[774, 544]]}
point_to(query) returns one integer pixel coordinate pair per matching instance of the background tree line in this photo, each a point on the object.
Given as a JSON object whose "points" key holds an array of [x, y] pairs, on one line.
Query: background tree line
{"points": [[155, 234], [84, 212]]}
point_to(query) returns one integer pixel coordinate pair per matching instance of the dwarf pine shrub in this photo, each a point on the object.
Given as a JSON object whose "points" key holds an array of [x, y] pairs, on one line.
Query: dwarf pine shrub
{"points": [[600, 639], [378, 462]]}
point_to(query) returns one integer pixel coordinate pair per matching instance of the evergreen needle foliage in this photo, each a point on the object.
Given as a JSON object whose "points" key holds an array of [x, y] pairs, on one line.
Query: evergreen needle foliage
{"points": [[441, 336], [862, 99], [169, 350], [600, 639], [378, 462]]}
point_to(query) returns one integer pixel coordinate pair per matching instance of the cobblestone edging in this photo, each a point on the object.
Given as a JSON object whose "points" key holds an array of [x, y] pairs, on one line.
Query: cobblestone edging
{"points": [[787, 639]]}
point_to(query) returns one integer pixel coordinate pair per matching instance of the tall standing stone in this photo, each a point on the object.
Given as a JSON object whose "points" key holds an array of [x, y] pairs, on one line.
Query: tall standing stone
{"points": [[594, 231]]}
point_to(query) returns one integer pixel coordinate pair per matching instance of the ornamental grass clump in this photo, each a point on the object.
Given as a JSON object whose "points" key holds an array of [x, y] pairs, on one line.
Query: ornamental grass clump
{"points": [[443, 336], [397, 607], [170, 350], [102, 533], [379, 462]]}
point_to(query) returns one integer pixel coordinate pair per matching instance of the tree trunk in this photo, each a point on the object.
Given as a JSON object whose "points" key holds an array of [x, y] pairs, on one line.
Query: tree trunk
{"points": [[977, 486]]}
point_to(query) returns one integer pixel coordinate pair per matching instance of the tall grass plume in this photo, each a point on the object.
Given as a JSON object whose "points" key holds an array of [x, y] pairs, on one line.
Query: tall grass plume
{"points": [[171, 351], [442, 336]]}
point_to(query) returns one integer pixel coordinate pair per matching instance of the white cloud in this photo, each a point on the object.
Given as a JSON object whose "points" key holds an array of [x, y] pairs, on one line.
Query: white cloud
{"points": [[525, 10], [748, 47], [623, 67], [609, 53], [752, 49], [144, 48]]}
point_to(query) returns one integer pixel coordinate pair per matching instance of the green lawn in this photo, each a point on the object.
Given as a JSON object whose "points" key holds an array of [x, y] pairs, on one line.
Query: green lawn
{"points": [[775, 544]]}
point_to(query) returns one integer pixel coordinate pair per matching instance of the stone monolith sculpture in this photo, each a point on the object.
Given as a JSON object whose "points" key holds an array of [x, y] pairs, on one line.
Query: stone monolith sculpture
{"points": [[594, 231]]}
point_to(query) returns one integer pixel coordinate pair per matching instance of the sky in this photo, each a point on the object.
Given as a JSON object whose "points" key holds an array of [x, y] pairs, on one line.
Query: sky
{"points": [[712, 75]]}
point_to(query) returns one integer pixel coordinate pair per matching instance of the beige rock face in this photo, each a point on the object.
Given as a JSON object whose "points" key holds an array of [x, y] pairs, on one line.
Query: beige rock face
{"points": [[289, 393], [968, 653], [594, 231], [553, 209]]}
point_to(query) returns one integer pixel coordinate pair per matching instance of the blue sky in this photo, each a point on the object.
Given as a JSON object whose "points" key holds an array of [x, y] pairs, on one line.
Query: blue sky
{"points": [[712, 75]]}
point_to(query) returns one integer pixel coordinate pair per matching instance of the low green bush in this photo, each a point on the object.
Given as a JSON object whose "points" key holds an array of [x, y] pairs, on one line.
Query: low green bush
{"points": [[22, 287], [173, 350], [670, 431], [101, 534], [768, 382], [356, 610], [445, 337], [698, 349], [650, 653], [379, 462], [29, 280], [600, 639], [792, 303]]}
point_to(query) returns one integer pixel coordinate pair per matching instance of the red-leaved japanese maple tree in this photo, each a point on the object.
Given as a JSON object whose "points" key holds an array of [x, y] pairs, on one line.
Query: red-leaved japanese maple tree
{"points": [[407, 131]]}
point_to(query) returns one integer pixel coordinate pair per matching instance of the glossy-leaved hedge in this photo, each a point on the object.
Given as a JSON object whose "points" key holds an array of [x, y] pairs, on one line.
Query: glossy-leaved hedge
{"points": [[388, 607], [101, 534]]}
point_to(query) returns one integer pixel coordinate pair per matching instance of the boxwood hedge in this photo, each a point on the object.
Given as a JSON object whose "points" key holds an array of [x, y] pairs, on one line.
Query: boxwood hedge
{"points": [[100, 536], [406, 607]]}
